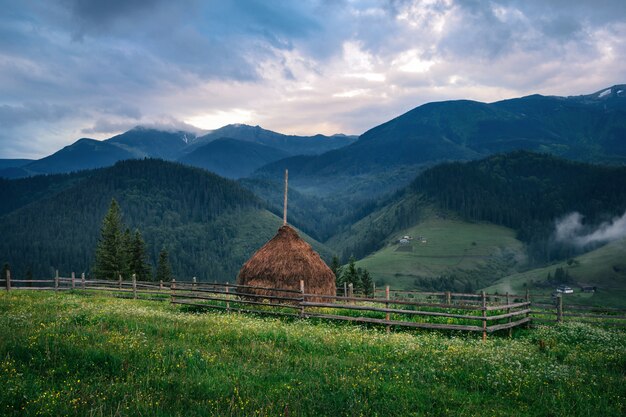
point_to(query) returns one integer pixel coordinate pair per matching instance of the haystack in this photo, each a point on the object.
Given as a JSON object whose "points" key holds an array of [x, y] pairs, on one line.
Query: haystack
{"points": [[282, 263]]}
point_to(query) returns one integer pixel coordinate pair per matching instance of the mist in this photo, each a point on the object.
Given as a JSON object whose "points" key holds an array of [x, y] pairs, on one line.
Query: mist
{"points": [[571, 230]]}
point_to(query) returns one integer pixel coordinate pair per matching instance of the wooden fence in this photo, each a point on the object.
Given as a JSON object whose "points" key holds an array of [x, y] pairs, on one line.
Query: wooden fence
{"points": [[484, 313]]}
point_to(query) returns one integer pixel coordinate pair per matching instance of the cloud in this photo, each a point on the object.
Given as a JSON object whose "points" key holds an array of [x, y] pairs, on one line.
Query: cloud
{"points": [[571, 230], [69, 67], [15, 116]]}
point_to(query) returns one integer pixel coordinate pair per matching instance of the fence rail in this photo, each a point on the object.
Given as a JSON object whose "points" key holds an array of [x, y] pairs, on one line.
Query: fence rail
{"points": [[486, 313]]}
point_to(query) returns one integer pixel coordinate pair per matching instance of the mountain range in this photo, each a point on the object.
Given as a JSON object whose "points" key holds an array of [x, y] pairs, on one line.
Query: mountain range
{"points": [[249, 148], [589, 128], [486, 177]]}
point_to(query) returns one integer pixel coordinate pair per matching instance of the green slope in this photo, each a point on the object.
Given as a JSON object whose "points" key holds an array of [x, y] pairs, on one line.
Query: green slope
{"points": [[208, 224], [474, 252], [604, 268]]}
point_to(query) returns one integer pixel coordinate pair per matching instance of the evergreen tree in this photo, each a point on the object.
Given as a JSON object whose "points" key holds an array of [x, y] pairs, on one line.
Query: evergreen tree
{"points": [[164, 270], [365, 282], [350, 275], [335, 266], [109, 261], [125, 250], [138, 258]]}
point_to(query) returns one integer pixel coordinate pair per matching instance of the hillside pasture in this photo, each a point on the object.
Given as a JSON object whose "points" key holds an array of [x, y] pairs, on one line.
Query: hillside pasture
{"points": [[474, 250], [603, 268]]}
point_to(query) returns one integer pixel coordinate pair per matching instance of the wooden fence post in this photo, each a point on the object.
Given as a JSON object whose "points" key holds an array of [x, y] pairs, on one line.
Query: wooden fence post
{"points": [[508, 310], [387, 315], [8, 280], [302, 295], [119, 281], [134, 286], [227, 298], [160, 285], [374, 290], [559, 308], [193, 284], [73, 280], [484, 299], [82, 280], [448, 298], [173, 289], [56, 280], [345, 290], [350, 290]]}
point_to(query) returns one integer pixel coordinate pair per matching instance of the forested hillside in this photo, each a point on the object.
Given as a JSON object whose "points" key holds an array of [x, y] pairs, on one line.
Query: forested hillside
{"points": [[528, 192], [208, 224]]}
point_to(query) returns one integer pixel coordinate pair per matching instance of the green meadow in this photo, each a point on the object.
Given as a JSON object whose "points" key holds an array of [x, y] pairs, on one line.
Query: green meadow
{"points": [[81, 354], [451, 247]]}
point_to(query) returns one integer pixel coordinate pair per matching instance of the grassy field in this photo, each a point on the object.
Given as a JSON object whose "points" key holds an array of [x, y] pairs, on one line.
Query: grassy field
{"points": [[604, 268], [75, 354], [483, 250]]}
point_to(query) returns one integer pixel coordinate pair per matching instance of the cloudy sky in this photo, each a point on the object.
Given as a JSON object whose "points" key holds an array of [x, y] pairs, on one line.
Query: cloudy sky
{"points": [[87, 68]]}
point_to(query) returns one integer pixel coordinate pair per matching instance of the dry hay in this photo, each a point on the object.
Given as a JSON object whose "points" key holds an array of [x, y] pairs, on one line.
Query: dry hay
{"points": [[282, 263]]}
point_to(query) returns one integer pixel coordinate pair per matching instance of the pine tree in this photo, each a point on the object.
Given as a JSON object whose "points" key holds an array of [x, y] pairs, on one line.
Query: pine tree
{"points": [[125, 251], [109, 261], [335, 266], [164, 270], [138, 264], [350, 275], [365, 282]]}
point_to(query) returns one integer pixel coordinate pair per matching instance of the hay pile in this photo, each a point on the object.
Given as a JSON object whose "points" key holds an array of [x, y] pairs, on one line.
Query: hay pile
{"points": [[282, 263]]}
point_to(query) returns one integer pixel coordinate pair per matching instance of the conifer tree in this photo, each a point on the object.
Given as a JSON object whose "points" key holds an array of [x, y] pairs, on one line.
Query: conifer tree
{"points": [[164, 270], [125, 251], [335, 266], [350, 275], [138, 258], [365, 282], [109, 261]]}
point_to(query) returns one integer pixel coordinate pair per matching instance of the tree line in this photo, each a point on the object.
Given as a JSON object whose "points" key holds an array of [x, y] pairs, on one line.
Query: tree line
{"points": [[120, 253]]}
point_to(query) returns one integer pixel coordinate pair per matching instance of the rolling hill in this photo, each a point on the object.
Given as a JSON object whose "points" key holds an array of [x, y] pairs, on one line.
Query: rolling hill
{"points": [[210, 225], [603, 268], [473, 255], [489, 218]]}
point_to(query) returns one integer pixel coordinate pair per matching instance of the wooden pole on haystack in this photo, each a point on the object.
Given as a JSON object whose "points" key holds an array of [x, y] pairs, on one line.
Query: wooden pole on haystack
{"points": [[285, 202]]}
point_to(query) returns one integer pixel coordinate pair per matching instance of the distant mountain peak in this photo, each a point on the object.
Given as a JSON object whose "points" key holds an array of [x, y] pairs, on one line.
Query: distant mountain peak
{"points": [[615, 91]]}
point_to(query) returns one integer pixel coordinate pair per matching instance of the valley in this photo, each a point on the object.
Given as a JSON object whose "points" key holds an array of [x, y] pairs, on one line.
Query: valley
{"points": [[482, 185]]}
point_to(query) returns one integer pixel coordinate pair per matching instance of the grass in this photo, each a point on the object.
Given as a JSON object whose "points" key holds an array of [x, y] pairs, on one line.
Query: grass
{"points": [[74, 354], [604, 268], [452, 247]]}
